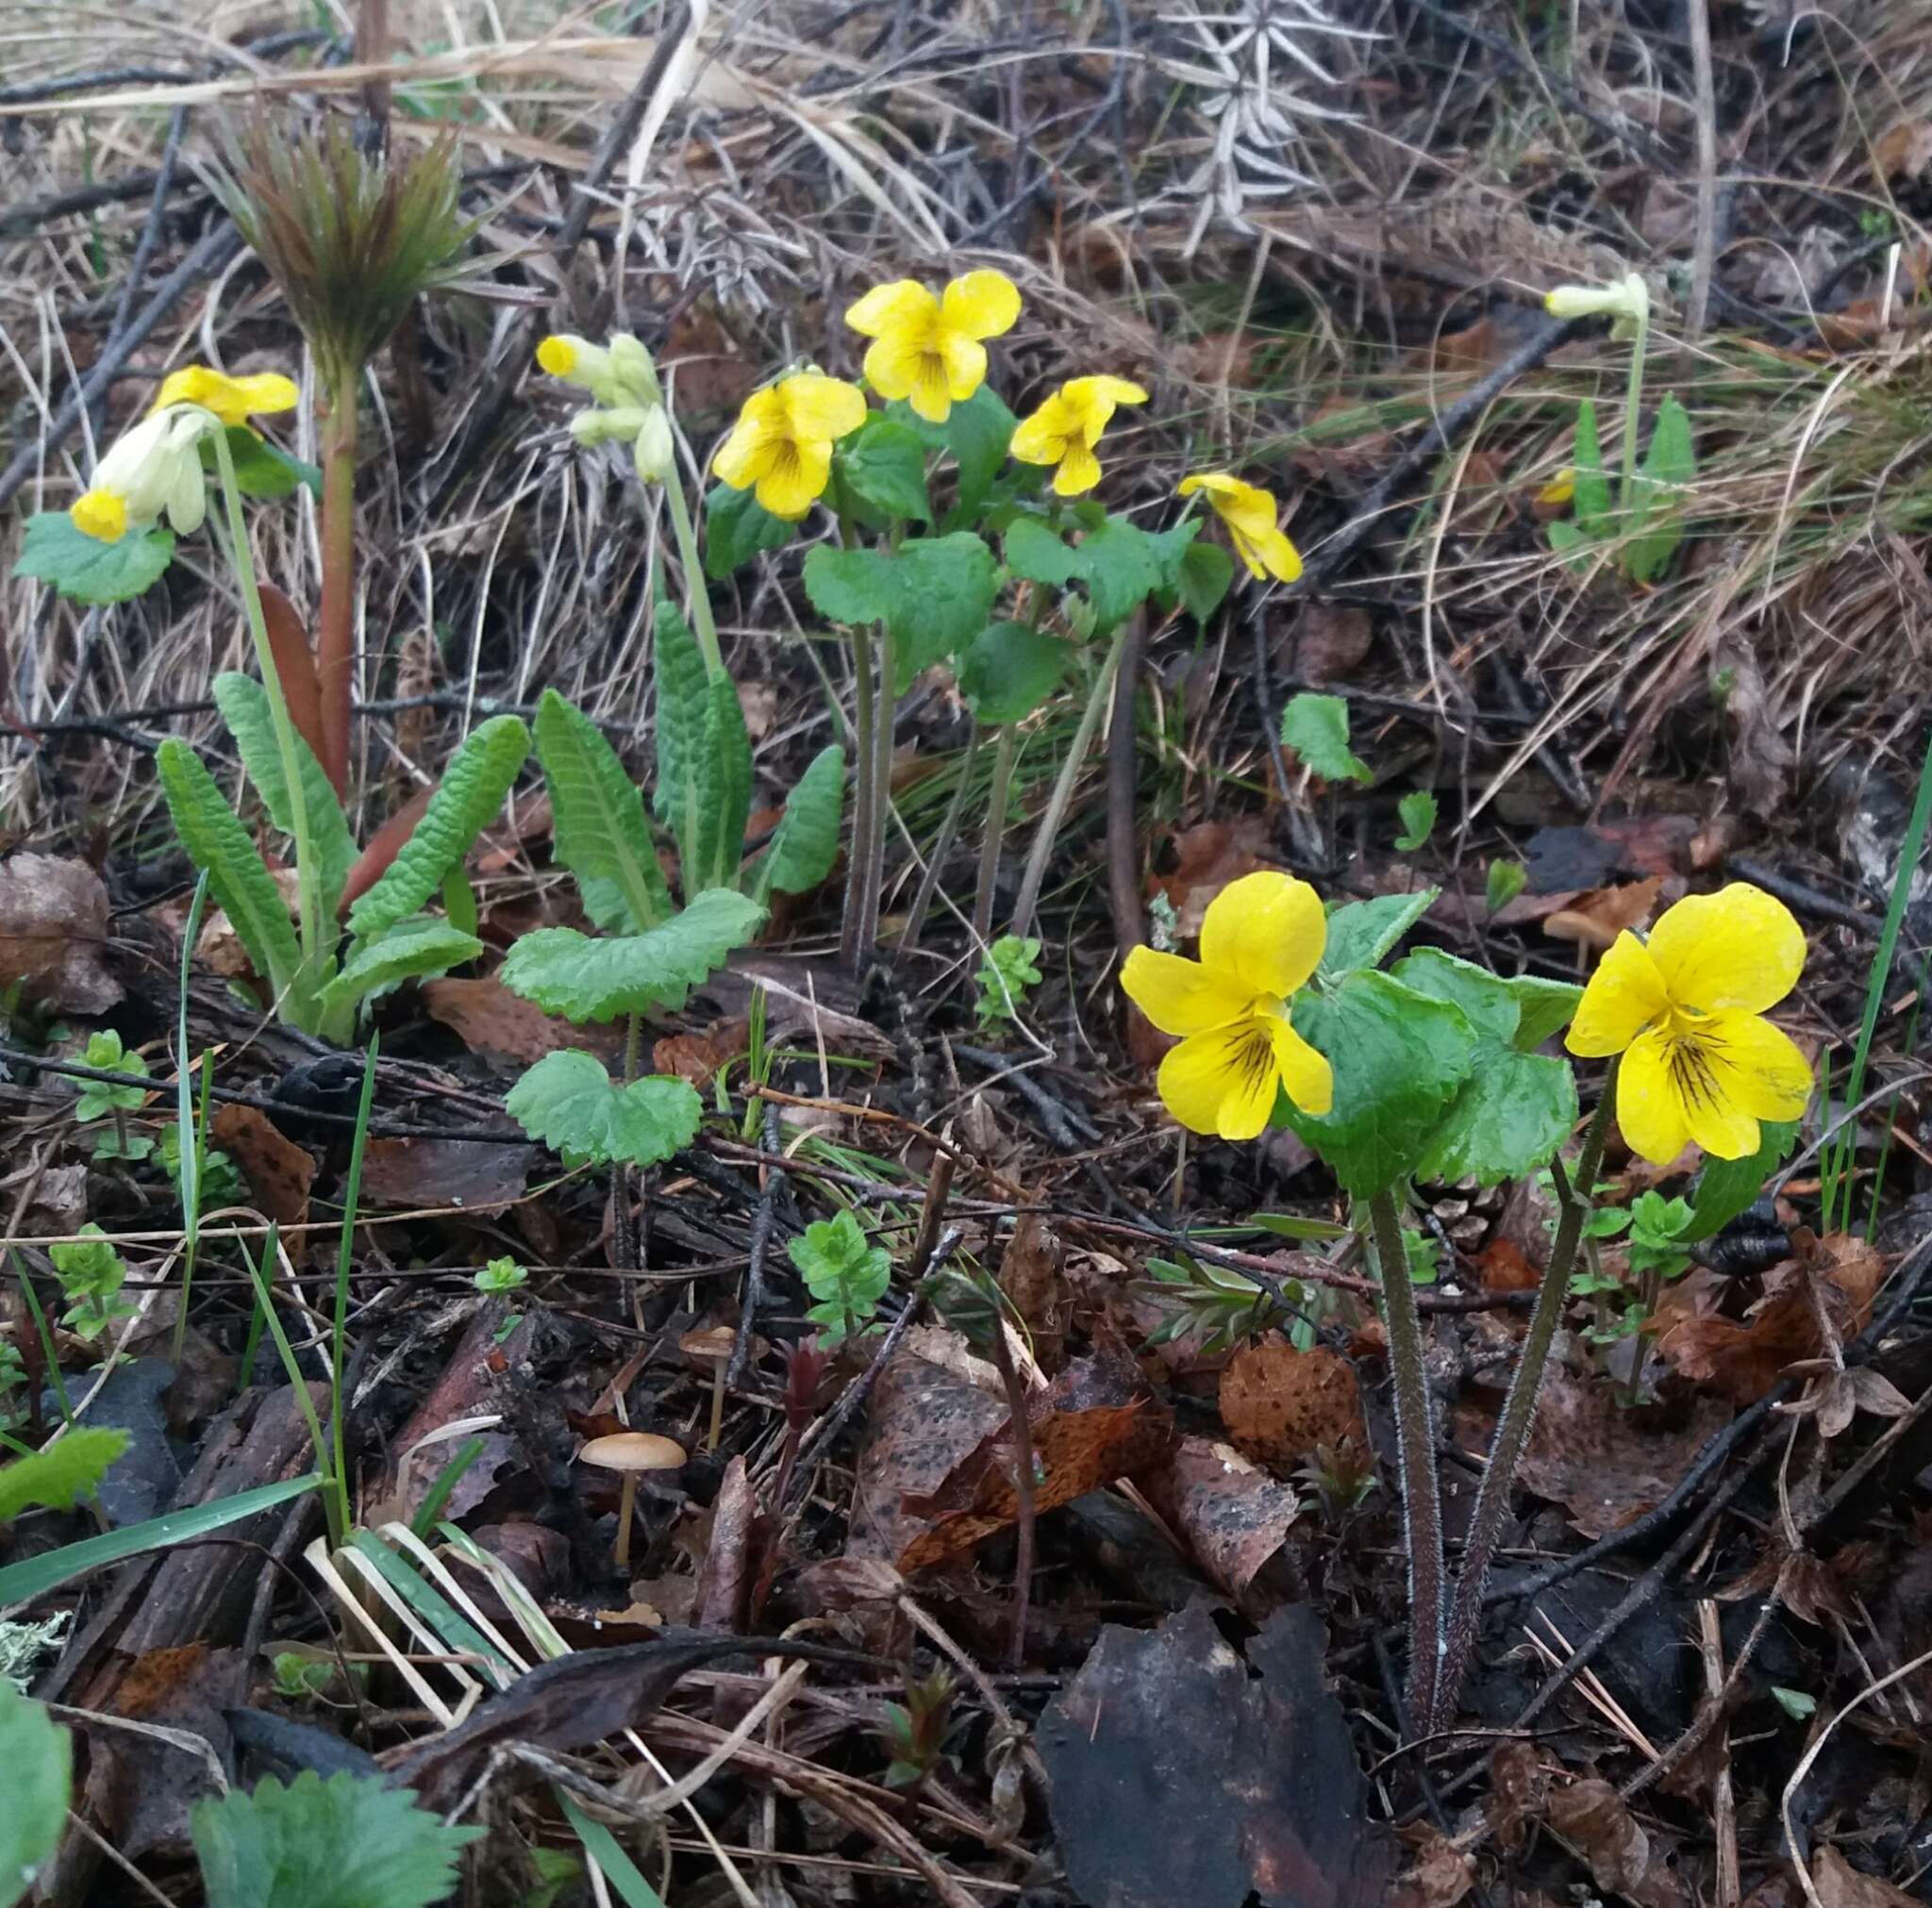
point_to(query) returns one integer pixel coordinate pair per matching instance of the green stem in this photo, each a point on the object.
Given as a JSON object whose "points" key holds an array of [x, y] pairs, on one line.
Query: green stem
{"points": [[866, 814], [1633, 406], [702, 622], [1003, 750], [943, 846], [1047, 832], [1518, 1415], [314, 924], [885, 708], [1415, 1440], [339, 1330]]}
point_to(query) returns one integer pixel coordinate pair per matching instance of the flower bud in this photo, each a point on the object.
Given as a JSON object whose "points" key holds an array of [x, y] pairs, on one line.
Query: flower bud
{"points": [[1628, 298], [657, 454], [633, 372]]}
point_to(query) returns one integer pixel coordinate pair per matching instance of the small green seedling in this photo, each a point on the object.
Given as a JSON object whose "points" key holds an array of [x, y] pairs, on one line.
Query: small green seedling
{"points": [[1316, 728], [501, 1275], [92, 1273], [1418, 811], [844, 1273], [98, 1100], [1005, 976], [915, 1731]]}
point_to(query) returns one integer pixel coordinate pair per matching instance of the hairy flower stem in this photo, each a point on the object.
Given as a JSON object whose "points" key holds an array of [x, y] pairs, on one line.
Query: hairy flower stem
{"points": [[1518, 1415], [1004, 752], [1633, 406], [703, 624], [1415, 1438], [335, 656], [943, 846], [1047, 832], [861, 872], [314, 928]]}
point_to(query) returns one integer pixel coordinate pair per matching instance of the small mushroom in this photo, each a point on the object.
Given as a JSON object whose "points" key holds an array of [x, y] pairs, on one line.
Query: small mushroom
{"points": [[629, 1453], [711, 1345]]}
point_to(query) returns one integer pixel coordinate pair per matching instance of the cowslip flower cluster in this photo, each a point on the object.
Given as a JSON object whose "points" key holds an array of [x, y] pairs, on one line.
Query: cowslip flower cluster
{"points": [[627, 401], [1261, 938], [154, 470], [1684, 1009]]}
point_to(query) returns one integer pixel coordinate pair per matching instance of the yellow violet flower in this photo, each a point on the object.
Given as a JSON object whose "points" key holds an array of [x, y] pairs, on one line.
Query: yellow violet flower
{"points": [[1250, 514], [1066, 428], [1260, 940], [153, 470], [927, 350], [234, 400], [1684, 1009], [781, 444]]}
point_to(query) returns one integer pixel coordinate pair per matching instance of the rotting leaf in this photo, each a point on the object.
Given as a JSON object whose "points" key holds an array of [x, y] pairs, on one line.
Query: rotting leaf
{"points": [[53, 933], [488, 1019], [279, 1174], [1604, 1462], [1841, 1885], [1032, 1275], [1595, 919], [1279, 1403], [1590, 1815], [1234, 1517], [482, 1176], [1182, 1773]]}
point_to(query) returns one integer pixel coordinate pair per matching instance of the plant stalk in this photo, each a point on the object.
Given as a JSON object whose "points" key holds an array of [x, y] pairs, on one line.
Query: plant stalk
{"points": [[1048, 829], [1003, 750], [1415, 1438], [861, 876], [703, 624], [1633, 407], [336, 627], [1518, 1419], [345, 1252], [314, 928], [943, 846]]}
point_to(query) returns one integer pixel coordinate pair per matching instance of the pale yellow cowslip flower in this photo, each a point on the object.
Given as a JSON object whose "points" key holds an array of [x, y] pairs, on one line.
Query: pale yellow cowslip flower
{"points": [[1627, 298], [1251, 516], [619, 375], [1261, 938], [1685, 1010], [154, 470], [1065, 428], [929, 349], [781, 445]]}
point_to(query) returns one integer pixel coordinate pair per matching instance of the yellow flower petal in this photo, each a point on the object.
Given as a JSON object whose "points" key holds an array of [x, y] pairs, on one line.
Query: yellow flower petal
{"points": [[823, 408], [965, 362], [980, 304], [893, 364], [932, 396], [1306, 1074], [1216, 483], [1737, 948], [796, 476], [1042, 438], [233, 400], [1103, 389], [1560, 489], [1079, 471], [1180, 996], [1267, 930], [1624, 996], [557, 355], [101, 514], [1650, 1111], [902, 305], [744, 457], [1270, 554], [1223, 1082], [1758, 1066]]}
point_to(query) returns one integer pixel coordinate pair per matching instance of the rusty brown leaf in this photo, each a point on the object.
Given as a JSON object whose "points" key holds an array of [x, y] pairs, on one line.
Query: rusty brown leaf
{"points": [[1279, 1403], [1233, 1515], [1597, 917], [482, 1176], [724, 1583], [54, 933], [1441, 1874], [279, 1174], [1032, 1274], [697, 1058], [1590, 1815], [1331, 640], [488, 1019], [1841, 1885]]}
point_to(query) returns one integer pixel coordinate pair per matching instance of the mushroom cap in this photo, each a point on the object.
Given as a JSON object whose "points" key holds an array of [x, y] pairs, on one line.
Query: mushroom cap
{"points": [[707, 1344], [633, 1450]]}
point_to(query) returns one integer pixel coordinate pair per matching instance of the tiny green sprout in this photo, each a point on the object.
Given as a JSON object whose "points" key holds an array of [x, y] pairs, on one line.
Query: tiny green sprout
{"points": [[1425, 1256], [1217, 1306], [844, 1273], [98, 1100], [299, 1678], [221, 1180], [1418, 811], [1795, 1702], [92, 1273], [1507, 880], [915, 1731], [1342, 1474], [13, 1376], [501, 1275], [1005, 978]]}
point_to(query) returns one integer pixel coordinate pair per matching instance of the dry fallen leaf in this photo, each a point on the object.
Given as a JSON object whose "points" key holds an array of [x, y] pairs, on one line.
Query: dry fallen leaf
{"points": [[1905, 150], [480, 1175], [279, 1173], [1233, 1515], [1841, 1885], [54, 933], [1208, 856], [1590, 1815], [1032, 1275], [1441, 1874], [1279, 1403], [697, 1058], [1596, 918], [488, 1019]]}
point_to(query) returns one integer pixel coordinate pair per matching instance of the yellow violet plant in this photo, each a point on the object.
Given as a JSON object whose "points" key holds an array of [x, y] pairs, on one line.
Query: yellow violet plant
{"points": [[931, 351], [1430, 1069], [1253, 520], [1064, 430]]}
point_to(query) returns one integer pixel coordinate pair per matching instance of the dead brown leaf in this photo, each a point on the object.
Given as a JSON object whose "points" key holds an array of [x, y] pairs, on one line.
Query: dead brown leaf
{"points": [[1032, 1274], [279, 1174], [1208, 856], [1440, 1875], [1604, 1463], [1760, 761], [1279, 1403], [1504, 1268], [1741, 1361], [1331, 640], [1597, 917], [1590, 1815], [1905, 150], [54, 933], [1841, 1885], [480, 1175], [1232, 1514], [488, 1019], [697, 1058], [730, 1562]]}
